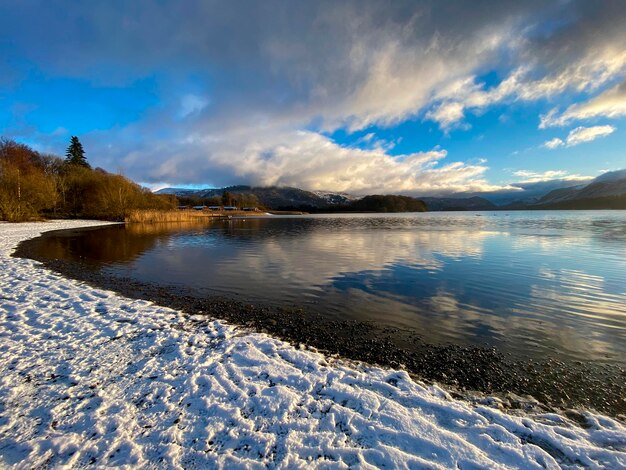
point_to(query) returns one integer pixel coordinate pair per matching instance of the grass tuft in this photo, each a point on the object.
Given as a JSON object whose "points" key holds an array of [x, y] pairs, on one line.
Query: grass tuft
{"points": [[148, 216]]}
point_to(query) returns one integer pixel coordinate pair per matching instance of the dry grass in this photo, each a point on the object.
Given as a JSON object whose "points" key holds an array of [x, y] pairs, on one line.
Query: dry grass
{"points": [[149, 216], [169, 227]]}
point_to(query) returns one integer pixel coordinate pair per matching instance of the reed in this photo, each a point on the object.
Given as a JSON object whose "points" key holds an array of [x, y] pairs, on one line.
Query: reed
{"points": [[165, 228], [148, 216]]}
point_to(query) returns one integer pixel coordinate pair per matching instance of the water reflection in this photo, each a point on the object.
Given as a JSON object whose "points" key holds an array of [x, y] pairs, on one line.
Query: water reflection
{"points": [[529, 283], [113, 244]]}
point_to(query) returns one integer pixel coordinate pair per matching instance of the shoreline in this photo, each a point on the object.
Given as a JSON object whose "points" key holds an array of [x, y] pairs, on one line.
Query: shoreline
{"points": [[89, 377], [468, 371]]}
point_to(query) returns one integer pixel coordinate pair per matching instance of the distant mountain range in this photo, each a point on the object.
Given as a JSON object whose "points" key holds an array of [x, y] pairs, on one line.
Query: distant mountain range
{"points": [[474, 203], [607, 191], [273, 197], [530, 192]]}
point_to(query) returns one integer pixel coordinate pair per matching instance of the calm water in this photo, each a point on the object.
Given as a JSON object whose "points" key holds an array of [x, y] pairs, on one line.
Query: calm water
{"points": [[529, 283]]}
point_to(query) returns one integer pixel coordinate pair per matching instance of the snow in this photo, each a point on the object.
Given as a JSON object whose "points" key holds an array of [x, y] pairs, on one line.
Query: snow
{"points": [[333, 197], [88, 377]]}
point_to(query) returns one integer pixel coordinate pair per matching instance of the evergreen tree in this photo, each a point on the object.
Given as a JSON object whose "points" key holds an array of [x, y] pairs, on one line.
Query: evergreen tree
{"points": [[75, 155]]}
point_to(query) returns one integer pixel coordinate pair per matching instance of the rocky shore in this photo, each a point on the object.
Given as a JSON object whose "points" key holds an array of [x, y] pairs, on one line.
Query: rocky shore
{"points": [[469, 371], [89, 377]]}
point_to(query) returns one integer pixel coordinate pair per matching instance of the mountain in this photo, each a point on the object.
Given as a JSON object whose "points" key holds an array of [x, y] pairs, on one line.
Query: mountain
{"points": [[286, 198], [335, 198], [558, 195], [530, 192], [176, 191], [602, 189], [386, 203], [610, 184], [458, 204], [607, 191], [618, 175], [271, 197]]}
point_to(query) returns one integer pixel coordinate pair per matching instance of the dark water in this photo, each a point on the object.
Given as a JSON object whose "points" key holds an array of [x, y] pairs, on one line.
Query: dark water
{"points": [[529, 283]]}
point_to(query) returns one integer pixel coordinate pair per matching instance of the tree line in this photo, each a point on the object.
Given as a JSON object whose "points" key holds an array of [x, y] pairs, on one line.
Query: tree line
{"points": [[34, 185], [226, 199], [387, 203], [372, 203]]}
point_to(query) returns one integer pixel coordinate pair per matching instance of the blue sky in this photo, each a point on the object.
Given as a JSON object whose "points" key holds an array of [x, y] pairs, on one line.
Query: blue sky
{"points": [[418, 97]]}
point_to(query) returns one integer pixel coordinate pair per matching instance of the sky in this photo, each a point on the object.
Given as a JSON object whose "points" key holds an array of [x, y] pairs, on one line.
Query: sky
{"points": [[417, 98]]}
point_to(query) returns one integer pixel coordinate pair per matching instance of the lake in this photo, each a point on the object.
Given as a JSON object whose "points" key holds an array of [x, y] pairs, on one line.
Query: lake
{"points": [[531, 284]]}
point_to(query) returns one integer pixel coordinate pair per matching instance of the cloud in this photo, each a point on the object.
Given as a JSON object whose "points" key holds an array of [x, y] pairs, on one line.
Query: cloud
{"points": [[569, 57], [553, 143], [528, 176], [307, 160], [191, 104], [283, 76], [580, 135], [447, 114], [349, 64], [587, 74], [610, 104], [587, 134]]}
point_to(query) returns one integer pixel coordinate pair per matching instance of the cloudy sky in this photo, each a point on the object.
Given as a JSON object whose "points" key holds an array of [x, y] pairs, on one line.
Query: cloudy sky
{"points": [[419, 97]]}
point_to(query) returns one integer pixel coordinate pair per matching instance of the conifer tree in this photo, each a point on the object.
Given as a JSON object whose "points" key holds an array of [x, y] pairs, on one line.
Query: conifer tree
{"points": [[75, 155]]}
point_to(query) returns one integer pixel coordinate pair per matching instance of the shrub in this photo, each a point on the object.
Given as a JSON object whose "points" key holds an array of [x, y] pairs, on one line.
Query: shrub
{"points": [[34, 185]]}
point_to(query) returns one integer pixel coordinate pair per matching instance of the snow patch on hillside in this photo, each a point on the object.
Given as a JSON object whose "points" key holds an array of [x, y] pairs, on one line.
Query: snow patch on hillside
{"points": [[88, 377], [335, 198]]}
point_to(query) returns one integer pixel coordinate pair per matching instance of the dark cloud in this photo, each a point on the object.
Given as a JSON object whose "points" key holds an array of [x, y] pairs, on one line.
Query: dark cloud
{"points": [[261, 72], [574, 30]]}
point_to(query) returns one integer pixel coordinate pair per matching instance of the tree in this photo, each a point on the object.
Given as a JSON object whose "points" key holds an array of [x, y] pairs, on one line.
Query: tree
{"points": [[33, 185], [75, 155], [227, 198], [25, 189]]}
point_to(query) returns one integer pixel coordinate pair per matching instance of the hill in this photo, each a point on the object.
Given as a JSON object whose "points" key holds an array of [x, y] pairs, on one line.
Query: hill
{"points": [[378, 203], [272, 197], [607, 191], [295, 199], [458, 204]]}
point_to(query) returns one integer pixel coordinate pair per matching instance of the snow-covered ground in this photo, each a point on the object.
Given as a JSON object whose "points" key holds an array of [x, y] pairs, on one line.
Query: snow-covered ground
{"points": [[88, 377]]}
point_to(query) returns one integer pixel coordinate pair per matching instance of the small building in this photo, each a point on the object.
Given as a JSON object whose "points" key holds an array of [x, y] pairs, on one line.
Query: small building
{"points": [[183, 207], [199, 208], [215, 208], [250, 209], [230, 208]]}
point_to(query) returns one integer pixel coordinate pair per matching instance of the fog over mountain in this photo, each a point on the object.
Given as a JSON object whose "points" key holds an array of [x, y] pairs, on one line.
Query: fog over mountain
{"points": [[617, 175], [609, 185], [529, 192], [527, 195]]}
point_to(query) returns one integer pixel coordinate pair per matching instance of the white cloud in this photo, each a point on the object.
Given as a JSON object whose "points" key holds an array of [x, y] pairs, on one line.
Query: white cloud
{"points": [[274, 69], [610, 104], [447, 114], [528, 176], [588, 73], [553, 143], [396, 77], [309, 160], [550, 119], [370, 141], [580, 135], [192, 104], [587, 134]]}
